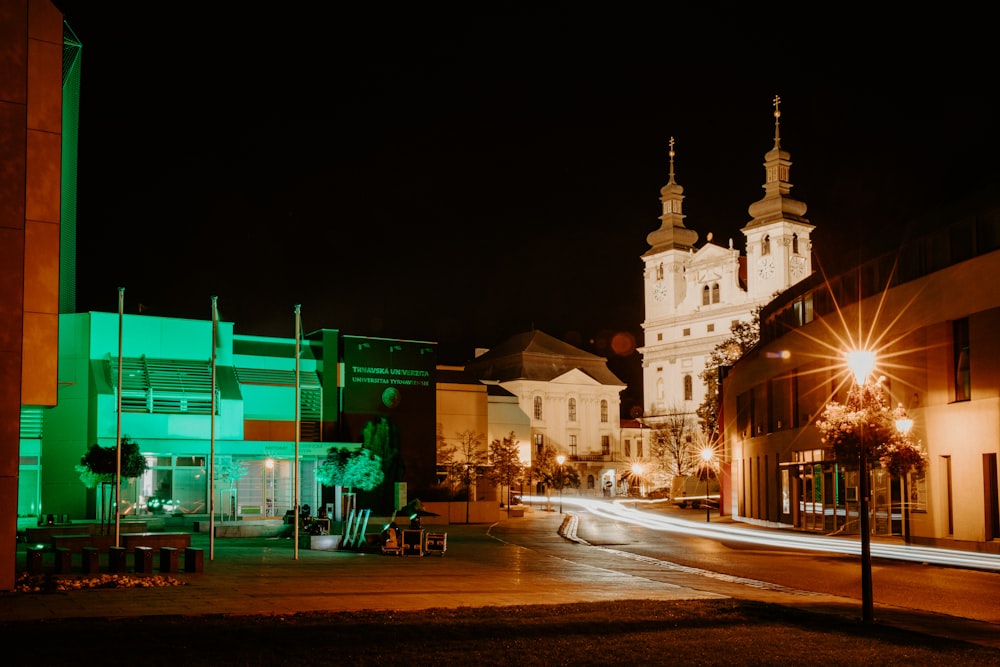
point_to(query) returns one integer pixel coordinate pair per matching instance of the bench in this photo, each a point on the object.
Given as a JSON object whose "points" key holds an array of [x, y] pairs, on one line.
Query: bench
{"points": [[155, 540], [75, 543]]}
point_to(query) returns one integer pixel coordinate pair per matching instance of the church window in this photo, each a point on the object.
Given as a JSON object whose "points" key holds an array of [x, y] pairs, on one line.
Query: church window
{"points": [[539, 443], [795, 243], [686, 332], [706, 296], [659, 271], [659, 336], [538, 407], [688, 388], [605, 445], [715, 293], [604, 412], [572, 409], [711, 328], [765, 245], [659, 389], [572, 446]]}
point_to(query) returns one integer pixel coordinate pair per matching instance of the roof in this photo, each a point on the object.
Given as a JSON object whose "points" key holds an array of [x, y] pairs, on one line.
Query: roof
{"points": [[535, 355]]}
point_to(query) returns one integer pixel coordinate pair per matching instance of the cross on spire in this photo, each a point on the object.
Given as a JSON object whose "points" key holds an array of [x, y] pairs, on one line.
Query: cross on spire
{"points": [[671, 159], [777, 121]]}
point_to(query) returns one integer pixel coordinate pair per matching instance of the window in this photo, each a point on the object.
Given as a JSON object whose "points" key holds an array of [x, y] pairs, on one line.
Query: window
{"points": [[795, 243], [604, 411], [539, 443], [688, 388], [659, 271], [572, 410], [538, 407], [659, 336], [960, 344], [710, 328], [638, 448], [572, 446], [765, 245], [715, 292], [605, 445], [659, 389], [706, 296], [628, 447], [686, 332]]}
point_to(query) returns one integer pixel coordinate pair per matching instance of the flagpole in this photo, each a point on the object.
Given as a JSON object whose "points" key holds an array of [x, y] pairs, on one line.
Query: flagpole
{"points": [[298, 417], [211, 463], [118, 428]]}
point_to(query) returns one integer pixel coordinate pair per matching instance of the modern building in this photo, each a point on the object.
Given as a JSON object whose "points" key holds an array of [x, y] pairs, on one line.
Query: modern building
{"points": [[931, 312], [154, 382], [39, 89], [694, 294]]}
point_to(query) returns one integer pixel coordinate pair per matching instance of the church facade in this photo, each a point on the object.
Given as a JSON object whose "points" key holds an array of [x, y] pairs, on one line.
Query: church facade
{"points": [[695, 293]]}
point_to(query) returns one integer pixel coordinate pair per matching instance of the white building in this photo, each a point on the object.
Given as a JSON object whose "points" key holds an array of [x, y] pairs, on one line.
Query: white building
{"points": [[694, 294]]}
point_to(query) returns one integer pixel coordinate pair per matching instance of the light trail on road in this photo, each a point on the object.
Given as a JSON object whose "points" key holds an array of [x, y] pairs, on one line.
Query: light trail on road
{"points": [[620, 510]]}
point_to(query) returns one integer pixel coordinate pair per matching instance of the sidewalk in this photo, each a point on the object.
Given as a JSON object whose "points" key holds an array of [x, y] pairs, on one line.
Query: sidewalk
{"points": [[483, 566]]}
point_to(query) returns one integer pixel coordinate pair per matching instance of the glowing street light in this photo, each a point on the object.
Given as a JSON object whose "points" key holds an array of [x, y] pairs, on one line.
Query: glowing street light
{"points": [[637, 470], [862, 363], [560, 460], [708, 465]]}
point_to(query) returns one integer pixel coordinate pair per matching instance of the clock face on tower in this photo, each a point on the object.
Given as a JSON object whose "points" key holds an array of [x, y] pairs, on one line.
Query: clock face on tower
{"points": [[659, 290], [765, 267]]}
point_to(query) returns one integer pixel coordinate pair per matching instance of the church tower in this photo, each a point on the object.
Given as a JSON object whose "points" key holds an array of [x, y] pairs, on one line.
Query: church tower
{"points": [[693, 295], [778, 246]]}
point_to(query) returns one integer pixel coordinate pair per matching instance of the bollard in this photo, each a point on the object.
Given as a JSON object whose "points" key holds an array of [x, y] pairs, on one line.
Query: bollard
{"points": [[116, 559], [91, 560], [64, 560], [34, 559], [142, 559], [168, 559], [194, 559]]}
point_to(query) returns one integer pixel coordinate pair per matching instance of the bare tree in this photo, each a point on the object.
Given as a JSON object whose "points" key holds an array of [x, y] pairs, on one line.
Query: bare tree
{"points": [[505, 463], [467, 463], [673, 444]]}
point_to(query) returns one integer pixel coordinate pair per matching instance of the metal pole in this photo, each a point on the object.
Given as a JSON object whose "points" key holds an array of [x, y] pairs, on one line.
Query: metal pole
{"points": [[867, 603], [708, 505], [118, 436], [211, 458], [298, 420]]}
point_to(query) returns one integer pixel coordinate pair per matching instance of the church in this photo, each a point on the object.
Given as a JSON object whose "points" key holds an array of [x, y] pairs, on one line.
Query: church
{"points": [[694, 294]]}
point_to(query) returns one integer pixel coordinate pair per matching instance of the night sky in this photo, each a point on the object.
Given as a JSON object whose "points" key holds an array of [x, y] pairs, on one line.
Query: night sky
{"points": [[456, 174]]}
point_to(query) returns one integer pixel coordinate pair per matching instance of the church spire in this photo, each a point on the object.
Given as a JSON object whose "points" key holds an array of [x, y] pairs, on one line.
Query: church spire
{"points": [[672, 233], [776, 204]]}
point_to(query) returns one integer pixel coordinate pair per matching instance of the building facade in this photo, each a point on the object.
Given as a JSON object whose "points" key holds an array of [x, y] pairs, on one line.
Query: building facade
{"points": [[570, 397], [694, 294], [266, 444], [930, 312]]}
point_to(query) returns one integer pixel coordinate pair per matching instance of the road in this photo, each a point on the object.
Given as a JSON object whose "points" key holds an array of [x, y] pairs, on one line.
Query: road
{"points": [[744, 561]]}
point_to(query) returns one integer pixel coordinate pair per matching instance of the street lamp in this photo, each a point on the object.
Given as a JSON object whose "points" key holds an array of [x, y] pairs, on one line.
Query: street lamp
{"points": [[903, 425], [707, 459], [862, 363], [561, 459]]}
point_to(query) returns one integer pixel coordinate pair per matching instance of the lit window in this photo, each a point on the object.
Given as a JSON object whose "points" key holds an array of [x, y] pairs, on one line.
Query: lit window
{"points": [[688, 388], [539, 443], [604, 412]]}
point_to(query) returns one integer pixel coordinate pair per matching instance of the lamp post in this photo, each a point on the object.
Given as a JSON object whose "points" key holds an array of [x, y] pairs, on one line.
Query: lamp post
{"points": [[269, 501], [903, 425], [707, 456], [560, 460], [861, 363]]}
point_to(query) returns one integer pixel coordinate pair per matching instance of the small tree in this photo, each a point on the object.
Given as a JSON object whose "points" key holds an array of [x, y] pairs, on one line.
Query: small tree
{"points": [[100, 466], [505, 459], [673, 445], [467, 463], [865, 425], [351, 468]]}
